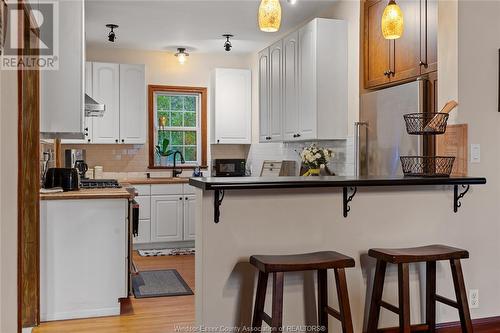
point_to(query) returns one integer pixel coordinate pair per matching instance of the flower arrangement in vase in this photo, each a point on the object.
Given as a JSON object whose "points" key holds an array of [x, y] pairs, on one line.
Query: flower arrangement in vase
{"points": [[314, 158]]}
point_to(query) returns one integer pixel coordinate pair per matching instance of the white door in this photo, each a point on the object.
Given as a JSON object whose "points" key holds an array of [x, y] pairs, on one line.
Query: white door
{"points": [[166, 218], [189, 217], [264, 126], [307, 81], [233, 106], [106, 89], [275, 91], [290, 87], [132, 104]]}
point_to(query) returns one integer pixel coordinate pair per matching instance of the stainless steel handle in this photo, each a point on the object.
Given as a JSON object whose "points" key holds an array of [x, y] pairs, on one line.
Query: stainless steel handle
{"points": [[357, 152]]}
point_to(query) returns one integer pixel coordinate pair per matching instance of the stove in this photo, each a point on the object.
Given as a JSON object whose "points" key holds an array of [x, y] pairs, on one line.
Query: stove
{"points": [[99, 183]]}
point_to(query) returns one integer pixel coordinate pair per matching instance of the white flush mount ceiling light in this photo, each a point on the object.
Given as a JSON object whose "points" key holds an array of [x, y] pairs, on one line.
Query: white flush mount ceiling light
{"points": [[269, 15], [181, 55]]}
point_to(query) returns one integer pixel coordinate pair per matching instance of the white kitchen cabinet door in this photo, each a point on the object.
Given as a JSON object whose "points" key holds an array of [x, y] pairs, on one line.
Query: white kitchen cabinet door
{"points": [[232, 106], [61, 90], [167, 218], [144, 235], [189, 217], [87, 121], [106, 89], [290, 87], [264, 126], [132, 104], [276, 91], [307, 81]]}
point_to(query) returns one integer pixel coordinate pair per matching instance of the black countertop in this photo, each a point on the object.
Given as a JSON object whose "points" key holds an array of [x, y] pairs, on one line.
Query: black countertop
{"points": [[241, 183]]}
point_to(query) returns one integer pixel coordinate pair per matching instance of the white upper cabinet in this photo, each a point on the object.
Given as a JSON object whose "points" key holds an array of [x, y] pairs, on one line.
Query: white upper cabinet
{"points": [[290, 86], [106, 89], [61, 90], [132, 104], [310, 89], [231, 106], [276, 91], [264, 126]]}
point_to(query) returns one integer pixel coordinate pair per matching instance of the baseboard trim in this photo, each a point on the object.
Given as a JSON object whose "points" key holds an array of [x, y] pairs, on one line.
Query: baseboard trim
{"points": [[482, 324]]}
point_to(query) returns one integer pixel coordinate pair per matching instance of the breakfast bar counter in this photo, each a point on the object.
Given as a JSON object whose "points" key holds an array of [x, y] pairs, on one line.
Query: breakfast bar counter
{"points": [[288, 215]]}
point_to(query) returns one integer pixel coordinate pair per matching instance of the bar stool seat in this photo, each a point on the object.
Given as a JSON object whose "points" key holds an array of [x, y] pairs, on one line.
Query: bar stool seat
{"points": [[277, 265], [301, 262], [403, 257], [419, 254]]}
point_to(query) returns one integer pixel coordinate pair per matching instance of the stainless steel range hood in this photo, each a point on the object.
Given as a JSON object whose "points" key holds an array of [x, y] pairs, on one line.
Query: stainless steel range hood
{"points": [[93, 108]]}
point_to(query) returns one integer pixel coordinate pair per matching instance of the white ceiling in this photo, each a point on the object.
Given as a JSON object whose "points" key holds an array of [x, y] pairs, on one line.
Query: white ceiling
{"points": [[196, 25]]}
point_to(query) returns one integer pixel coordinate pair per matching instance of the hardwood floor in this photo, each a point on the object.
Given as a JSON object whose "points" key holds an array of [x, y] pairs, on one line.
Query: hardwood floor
{"points": [[147, 315]]}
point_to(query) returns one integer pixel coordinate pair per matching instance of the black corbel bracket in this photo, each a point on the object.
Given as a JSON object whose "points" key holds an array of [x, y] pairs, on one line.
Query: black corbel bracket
{"points": [[348, 198], [218, 197], [457, 196]]}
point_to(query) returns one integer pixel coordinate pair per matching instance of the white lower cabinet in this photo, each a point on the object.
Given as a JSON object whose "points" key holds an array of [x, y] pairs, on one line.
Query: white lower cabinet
{"points": [[189, 217], [166, 213]]}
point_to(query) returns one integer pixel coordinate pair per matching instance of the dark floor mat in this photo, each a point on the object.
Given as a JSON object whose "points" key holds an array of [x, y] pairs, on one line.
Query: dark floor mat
{"points": [[159, 283]]}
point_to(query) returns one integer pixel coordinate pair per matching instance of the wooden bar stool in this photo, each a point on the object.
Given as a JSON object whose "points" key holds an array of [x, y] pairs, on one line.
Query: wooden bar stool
{"points": [[402, 258], [320, 261]]}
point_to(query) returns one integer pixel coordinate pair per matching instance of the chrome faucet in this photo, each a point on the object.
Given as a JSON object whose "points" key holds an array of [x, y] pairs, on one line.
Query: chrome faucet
{"points": [[176, 172]]}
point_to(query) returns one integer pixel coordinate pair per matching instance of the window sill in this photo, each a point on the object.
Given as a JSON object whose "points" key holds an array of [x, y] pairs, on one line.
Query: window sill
{"points": [[183, 167]]}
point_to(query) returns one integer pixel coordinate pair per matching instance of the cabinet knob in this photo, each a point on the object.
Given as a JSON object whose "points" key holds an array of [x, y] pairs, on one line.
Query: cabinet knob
{"points": [[116, 140], [185, 198], [268, 138], [298, 135], [86, 129], [180, 198], [386, 73], [88, 140], [123, 140], [295, 135], [218, 140], [423, 64]]}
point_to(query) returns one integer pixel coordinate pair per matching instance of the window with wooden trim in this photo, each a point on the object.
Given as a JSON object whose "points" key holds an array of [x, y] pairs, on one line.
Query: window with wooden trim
{"points": [[177, 123]]}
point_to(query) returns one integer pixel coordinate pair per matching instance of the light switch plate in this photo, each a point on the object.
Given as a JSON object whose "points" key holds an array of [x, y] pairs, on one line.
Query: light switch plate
{"points": [[475, 153]]}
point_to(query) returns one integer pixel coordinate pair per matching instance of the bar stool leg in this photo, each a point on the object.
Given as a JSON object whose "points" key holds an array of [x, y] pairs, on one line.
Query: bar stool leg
{"points": [[277, 316], [378, 288], [260, 299], [322, 299], [404, 298], [430, 296], [463, 306], [343, 296]]}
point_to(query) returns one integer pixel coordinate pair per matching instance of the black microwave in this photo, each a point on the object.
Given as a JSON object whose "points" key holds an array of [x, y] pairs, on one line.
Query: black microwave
{"points": [[228, 167]]}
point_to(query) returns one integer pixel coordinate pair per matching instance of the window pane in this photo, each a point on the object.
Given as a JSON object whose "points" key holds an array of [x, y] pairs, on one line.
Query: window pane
{"points": [[190, 154], [176, 102], [177, 138], [176, 119], [190, 103], [190, 138], [163, 102], [190, 119]]}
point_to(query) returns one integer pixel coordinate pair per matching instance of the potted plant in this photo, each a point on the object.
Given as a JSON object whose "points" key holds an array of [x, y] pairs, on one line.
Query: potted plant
{"points": [[163, 152], [314, 158]]}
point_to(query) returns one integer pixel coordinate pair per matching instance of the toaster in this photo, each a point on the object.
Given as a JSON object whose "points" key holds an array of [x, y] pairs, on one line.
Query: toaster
{"points": [[66, 178]]}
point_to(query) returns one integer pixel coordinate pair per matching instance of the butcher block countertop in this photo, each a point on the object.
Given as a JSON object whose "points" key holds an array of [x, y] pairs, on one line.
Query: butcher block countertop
{"points": [[166, 180], [104, 193]]}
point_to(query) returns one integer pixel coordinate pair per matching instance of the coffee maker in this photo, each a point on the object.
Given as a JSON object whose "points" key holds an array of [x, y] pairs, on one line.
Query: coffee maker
{"points": [[75, 158]]}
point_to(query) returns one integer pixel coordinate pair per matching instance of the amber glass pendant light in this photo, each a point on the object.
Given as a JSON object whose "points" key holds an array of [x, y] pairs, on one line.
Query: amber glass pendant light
{"points": [[392, 21], [269, 15]]}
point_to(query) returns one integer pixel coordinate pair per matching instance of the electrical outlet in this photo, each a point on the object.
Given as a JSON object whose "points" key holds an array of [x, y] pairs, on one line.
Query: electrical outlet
{"points": [[474, 298], [475, 153]]}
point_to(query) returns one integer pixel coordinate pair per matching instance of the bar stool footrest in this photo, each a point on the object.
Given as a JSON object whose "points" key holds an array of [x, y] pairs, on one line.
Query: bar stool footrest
{"points": [[390, 307], [334, 313], [447, 301], [266, 318]]}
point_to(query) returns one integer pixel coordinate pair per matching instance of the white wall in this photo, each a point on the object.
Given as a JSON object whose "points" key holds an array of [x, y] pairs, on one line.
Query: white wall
{"points": [[8, 201]]}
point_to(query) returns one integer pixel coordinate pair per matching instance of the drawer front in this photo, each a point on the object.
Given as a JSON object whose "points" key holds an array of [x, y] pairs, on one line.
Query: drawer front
{"points": [[143, 189], [144, 232], [188, 189], [144, 207], [166, 189]]}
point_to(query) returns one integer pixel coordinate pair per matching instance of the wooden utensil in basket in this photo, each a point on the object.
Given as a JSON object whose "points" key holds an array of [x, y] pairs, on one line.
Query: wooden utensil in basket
{"points": [[434, 123]]}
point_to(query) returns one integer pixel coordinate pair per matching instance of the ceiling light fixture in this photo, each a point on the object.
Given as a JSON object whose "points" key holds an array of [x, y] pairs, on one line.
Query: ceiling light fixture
{"points": [[292, 2], [227, 43], [181, 55], [111, 35], [270, 15], [392, 21]]}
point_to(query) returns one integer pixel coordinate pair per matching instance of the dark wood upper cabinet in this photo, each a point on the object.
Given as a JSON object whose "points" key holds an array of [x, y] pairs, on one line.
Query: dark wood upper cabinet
{"points": [[377, 48], [415, 53]]}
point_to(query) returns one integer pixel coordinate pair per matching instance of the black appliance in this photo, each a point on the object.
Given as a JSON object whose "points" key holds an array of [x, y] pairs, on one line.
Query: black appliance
{"points": [[228, 167], [99, 183], [82, 168], [66, 178]]}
